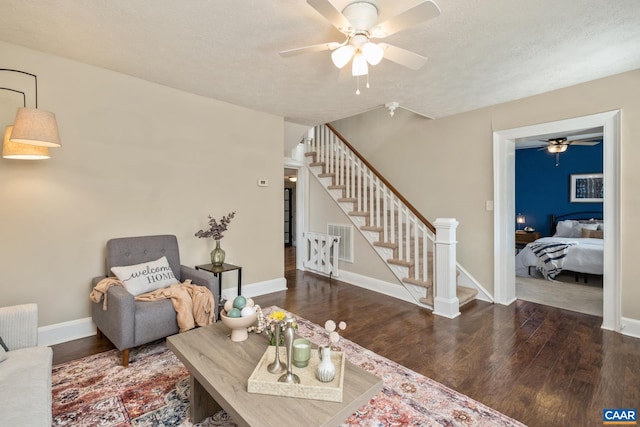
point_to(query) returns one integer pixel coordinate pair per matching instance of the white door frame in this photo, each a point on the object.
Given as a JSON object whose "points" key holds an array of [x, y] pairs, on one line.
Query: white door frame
{"points": [[504, 207]]}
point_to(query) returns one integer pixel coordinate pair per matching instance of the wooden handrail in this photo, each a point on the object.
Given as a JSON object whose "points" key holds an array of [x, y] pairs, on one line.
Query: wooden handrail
{"points": [[387, 183]]}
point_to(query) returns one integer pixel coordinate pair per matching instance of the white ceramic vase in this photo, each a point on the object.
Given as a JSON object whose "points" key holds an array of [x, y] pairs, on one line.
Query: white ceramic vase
{"points": [[326, 369]]}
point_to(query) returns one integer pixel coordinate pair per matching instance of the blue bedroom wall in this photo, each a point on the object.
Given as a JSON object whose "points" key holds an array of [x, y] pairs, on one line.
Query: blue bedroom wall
{"points": [[542, 188]]}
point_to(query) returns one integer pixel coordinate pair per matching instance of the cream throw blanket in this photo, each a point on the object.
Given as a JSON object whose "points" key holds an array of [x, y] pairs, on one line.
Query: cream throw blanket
{"points": [[194, 305]]}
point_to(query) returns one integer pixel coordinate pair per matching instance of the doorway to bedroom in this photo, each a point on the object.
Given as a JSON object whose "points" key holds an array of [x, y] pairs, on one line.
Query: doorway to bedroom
{"points": [[505, 214], [555, 264]]}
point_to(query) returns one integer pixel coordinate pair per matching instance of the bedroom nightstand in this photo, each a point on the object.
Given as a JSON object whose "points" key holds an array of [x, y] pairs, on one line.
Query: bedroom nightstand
{"points": [[522, 238]]}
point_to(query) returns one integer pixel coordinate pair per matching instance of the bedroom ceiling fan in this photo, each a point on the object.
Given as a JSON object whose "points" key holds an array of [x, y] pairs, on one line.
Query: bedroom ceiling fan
{"points": [[358, 21], [561, 144]]}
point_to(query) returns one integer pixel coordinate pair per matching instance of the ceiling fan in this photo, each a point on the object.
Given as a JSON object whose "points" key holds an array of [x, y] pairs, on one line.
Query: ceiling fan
{"points": [[358, 21], [561, 144]]}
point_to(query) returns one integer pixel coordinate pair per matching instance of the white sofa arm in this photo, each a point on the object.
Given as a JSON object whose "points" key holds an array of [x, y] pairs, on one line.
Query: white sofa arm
{"points": [[19, 325]]}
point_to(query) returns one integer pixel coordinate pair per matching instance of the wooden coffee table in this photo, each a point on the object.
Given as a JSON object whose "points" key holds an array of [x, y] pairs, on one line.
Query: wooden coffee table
{"points": [[220, 370]]}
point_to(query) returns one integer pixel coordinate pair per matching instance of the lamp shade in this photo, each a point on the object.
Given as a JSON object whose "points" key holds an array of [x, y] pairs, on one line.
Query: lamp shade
{"points": [[520, 219], [16, 150], [359, 67], [35, 127], [373, 53], [342, 55]]}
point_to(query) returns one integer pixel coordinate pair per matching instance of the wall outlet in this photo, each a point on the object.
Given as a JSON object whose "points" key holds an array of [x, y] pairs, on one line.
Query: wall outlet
{"points": [[263, 183], [488, 205]]}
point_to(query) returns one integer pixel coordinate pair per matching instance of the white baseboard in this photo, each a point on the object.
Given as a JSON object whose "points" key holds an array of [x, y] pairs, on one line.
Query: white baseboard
{"points": [[257, 289], [66, 331], [390, 289], [82, 328], [630, 327]]}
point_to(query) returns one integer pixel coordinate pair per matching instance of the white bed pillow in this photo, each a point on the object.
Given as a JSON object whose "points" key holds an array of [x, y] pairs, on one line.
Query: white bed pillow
{"points": [[146, 277], [565, 228], [576, 232]]}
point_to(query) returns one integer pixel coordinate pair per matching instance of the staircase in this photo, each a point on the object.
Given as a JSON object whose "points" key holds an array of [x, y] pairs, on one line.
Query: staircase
{"points": [[400, 235]]}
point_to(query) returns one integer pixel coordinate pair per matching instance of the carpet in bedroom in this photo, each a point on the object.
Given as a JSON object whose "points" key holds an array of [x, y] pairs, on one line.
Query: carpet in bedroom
{"points": [[568, 295]]}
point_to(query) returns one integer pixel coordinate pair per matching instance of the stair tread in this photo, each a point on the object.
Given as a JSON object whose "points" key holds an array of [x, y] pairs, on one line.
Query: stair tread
{"points": [[327, 175], [359, 213], [347, 199], [316, 164], [400, 262], [465, 294], [428, 284], [372, 228], [335, 187], [389, 245]]}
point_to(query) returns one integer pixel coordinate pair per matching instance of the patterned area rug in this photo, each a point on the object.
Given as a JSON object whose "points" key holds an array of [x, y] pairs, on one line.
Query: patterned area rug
{"points": [[154, 391]]}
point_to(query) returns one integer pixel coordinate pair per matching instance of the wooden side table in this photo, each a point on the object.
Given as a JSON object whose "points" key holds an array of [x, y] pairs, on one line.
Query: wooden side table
{"points": [[522, 238], [217, 271]]}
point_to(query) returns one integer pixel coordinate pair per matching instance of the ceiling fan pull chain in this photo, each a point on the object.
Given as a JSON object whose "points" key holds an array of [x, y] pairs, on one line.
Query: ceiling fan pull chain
{"points": [[368, 81], [357, 85]]}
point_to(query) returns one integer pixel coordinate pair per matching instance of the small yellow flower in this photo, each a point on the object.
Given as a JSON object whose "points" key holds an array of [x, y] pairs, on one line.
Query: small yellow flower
{"points": [[277, 315]]}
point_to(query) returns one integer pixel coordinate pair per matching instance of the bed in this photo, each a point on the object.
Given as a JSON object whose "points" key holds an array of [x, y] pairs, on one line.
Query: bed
{"points": [[576, 246]]}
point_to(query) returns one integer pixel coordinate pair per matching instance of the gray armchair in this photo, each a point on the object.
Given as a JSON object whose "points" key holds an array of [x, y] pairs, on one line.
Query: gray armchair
{"points": [[128, 323]]}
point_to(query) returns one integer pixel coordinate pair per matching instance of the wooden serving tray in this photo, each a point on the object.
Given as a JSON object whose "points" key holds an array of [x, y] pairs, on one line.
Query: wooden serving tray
{"points": [[262, 381]]}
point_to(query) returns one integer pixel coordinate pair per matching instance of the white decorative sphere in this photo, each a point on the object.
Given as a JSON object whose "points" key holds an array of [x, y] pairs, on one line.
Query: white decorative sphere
{"points": [[247, 311]]}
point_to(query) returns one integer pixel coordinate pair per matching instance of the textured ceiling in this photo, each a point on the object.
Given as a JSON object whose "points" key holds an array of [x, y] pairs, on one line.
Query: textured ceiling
{"points": [[481, 52]]}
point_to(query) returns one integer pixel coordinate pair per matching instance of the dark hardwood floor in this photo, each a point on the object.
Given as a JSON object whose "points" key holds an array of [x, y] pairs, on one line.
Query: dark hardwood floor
{"points": [[540, 365]]}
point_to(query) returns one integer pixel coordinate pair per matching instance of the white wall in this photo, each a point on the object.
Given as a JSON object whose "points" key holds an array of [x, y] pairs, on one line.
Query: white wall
{"points": [[444, 167], [137, 159]]}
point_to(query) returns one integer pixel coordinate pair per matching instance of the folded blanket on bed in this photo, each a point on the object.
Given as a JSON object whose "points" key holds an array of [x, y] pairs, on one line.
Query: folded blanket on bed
{"points": [[550, 257]]}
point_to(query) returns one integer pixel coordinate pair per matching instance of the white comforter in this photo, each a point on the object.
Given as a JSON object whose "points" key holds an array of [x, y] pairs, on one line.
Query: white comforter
{"points": [[584, 257]]}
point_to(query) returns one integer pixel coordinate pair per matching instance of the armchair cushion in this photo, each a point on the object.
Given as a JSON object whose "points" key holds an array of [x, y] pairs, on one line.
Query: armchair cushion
{"points": [[146, 277]]}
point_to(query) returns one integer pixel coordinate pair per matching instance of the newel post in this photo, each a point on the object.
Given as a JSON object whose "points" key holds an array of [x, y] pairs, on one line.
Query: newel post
{"points": [[446, 302]]}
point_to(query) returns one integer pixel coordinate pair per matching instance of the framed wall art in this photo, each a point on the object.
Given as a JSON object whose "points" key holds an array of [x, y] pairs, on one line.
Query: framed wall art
{"points": [[587, 188]]}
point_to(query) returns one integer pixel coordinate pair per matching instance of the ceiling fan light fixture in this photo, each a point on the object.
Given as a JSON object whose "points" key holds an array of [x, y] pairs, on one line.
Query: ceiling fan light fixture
{"points": [[342, 55], [359, 67], [373, 53], [557, 148]]}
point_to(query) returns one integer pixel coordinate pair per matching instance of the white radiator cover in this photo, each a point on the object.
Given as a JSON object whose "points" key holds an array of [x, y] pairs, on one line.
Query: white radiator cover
{"points": [[345, 231]]}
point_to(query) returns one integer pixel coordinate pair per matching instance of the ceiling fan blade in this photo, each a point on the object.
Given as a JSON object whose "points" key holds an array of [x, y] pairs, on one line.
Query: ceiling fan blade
{"points": [[331, 14], [403, 57], [584, 142], [410, 17], [310, 49]]}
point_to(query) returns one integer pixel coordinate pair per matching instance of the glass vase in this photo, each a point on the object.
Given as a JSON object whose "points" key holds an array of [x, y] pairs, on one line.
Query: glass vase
{"points": [[217, 255]]}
